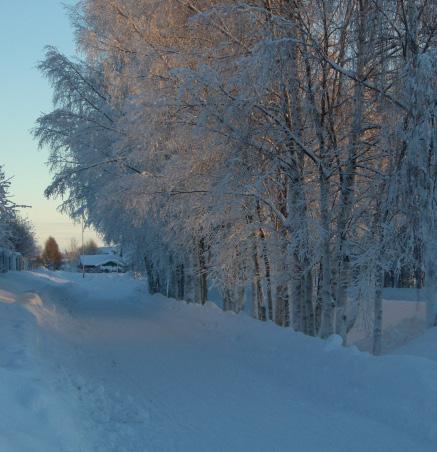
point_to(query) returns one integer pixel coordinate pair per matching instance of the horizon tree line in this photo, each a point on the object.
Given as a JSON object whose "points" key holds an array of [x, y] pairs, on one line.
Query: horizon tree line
{"points": [[16, 232]]}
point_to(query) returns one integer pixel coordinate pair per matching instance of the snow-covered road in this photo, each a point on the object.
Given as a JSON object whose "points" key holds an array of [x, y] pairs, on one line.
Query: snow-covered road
{"points": [[98, 365]]}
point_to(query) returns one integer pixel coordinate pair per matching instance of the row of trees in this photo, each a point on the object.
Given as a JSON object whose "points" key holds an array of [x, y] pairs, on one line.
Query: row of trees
{"points": [[16, 232], [74, 250], [283, 151], [52, 257]]}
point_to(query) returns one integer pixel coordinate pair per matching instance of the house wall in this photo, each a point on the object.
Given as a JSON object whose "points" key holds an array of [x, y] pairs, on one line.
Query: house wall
{"points": [[403, 319]]}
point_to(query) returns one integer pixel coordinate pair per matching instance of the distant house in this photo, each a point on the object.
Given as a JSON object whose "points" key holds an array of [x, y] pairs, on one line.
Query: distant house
{"points": [[102, 263]]}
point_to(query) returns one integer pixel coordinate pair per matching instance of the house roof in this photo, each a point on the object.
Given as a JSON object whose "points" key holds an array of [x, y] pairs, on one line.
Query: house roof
{"points": [[95, 260]]}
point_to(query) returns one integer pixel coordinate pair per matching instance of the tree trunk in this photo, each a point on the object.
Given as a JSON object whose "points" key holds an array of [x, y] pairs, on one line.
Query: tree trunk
{"points": [[180, 282], [152, 277], [347, 185], [267, 267], [202, 286], [309, 314], [282, 305], [327, 314], [297, 293], [431, 283], [257, 287], [377, 325]]}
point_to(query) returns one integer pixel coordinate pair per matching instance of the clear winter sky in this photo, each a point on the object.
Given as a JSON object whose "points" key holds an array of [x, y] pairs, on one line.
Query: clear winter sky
{"points": [[26, 26]]}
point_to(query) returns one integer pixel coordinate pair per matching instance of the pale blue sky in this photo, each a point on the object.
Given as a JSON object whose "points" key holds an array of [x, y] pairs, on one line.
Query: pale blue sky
{"points": [[26, 27]]}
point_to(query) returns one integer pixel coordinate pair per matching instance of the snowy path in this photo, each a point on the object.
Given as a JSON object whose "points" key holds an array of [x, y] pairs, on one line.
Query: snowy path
{"points": [[116, 370]]}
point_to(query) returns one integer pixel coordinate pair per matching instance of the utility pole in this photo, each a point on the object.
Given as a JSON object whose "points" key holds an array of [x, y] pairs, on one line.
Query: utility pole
{"points": [[81, 255]]}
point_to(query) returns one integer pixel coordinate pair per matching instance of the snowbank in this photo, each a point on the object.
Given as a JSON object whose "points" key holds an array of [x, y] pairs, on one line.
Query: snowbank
{"points": [[424, 346], [35, 414]]}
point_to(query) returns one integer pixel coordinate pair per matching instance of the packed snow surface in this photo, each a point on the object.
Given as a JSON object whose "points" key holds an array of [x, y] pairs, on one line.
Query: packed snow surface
{"points": [[96, 364]]}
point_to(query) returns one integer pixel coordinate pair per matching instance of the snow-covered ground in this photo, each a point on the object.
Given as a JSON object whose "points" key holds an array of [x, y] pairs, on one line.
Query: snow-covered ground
{"points": [[98, 365]]}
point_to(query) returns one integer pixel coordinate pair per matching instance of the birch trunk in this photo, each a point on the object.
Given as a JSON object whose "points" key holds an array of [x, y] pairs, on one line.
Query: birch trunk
{"points": [[282, 311], [309, 314], [297, 294], [152, 277], [296, 202], [325, 309], [378, 312], [347, 186], [257, 290], [431, 284], [201, 278], [328, 305], [267, 267]]}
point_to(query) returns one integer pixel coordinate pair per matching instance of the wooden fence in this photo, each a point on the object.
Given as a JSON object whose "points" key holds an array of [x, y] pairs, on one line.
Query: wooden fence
{"points": [[11, 261]]}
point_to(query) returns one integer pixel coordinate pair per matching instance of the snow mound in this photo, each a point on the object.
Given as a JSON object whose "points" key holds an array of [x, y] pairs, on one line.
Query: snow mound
{"points": [[333, 342]]}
